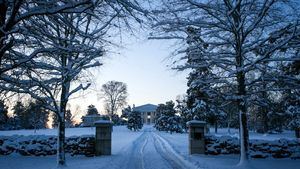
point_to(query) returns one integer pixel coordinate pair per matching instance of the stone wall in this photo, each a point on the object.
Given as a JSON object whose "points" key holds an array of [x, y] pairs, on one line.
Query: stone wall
{"points": [[282, 148], [41, 145]]}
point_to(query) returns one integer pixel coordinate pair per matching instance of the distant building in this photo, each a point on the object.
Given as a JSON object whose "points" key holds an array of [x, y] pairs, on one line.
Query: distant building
{"points": [[88, 120], [148, 112]]}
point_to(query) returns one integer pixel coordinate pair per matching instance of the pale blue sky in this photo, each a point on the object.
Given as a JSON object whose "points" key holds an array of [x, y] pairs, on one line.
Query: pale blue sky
{"points": [[142, 65]]}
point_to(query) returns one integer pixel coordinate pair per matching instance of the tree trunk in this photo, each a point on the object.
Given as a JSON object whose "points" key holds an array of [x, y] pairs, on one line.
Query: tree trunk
{"points": [[216, 127], [61, 126], [61, 159], [244, 137], [297, 132], [65, 88], [241, 88], [112, 112], [244, 134]]}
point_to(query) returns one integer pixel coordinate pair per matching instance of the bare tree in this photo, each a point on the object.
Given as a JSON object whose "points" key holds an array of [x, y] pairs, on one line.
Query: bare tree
{"points": [[54, 77], [115, 96], [71, 43], [75, 44], [13, 36], [235, 39]]}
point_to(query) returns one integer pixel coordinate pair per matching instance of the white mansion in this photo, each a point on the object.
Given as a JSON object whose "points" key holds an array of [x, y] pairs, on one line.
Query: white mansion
{"points": [[147, 111]]}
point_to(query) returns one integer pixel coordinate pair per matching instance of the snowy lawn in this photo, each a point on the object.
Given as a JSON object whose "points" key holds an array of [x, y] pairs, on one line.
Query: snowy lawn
{"points": [[286, 134], [121, 137], [69, 131], [179, 142], [145, 149]]}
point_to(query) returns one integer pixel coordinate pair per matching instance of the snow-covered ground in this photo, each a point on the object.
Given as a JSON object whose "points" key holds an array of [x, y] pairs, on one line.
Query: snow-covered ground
{"points": [[69, 131], [145, 149], [179, 144], [286, 134]]}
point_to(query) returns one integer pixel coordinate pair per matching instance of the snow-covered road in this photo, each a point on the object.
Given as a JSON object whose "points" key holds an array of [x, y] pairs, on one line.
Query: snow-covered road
{"points": [[149, 151]]}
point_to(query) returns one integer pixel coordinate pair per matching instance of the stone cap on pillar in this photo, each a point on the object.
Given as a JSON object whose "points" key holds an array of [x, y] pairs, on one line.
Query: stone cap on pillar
{"points": [[196, 123], [103, 123]]}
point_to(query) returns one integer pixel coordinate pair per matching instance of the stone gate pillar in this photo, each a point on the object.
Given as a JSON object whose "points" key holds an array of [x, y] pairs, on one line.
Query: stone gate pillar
{"points": [[196, 136], [103, 137]]}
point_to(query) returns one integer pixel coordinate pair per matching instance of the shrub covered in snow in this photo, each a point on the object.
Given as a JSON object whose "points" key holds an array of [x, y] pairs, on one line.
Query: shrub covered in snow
{"points": [[41, 145], [294, 124], [166, 118], [134, 121], [174, 124]]}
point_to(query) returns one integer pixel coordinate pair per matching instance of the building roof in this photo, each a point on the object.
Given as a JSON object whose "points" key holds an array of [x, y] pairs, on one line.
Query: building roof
{"points": [[92, 115], [145, 108]]}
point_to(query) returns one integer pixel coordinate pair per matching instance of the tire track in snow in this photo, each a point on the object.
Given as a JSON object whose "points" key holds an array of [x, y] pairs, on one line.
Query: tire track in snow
{"points": [[142, 151], [149, 151], [169, 162], [134, 159], [168, 153], [129, 157]]}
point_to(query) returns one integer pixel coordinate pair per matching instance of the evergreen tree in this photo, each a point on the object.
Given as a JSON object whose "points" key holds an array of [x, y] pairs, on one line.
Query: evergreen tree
{"points": [[232, 118], [37, 114], [32, 116], [183, 111], [126, 112], [92, 110], [116, 119], [293, 110], [134, 121], [68, 119], [292, 99], [3, 115], [166, 118], [174, 124], [161, 122], [54, 120], [202, 99], [21, 118]]}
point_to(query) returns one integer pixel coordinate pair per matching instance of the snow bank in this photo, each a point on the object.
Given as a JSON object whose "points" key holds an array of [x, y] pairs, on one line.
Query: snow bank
{"points": [[53, 132], [282, 148], [42, 145], [78, 141]]}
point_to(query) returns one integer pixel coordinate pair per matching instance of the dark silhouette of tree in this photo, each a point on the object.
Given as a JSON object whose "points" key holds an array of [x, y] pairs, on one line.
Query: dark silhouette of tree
{"points": [[115, 96], [92, 110]]}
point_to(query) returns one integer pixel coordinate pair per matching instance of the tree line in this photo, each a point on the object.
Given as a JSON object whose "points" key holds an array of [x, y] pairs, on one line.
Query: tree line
{"points": [[173, 116], [30, 114]]}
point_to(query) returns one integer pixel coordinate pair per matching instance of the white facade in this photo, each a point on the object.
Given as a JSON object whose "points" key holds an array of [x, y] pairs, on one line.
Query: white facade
{"points": [[148, 113]]}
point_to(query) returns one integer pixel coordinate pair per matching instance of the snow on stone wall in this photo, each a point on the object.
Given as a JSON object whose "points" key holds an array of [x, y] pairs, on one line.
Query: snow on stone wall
{"points": [[281, 148], [42, 145]]}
